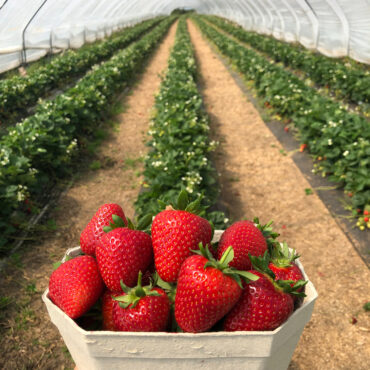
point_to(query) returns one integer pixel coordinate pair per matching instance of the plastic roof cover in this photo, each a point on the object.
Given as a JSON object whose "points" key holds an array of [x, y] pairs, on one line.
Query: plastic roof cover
{"points": [[334, 27]]}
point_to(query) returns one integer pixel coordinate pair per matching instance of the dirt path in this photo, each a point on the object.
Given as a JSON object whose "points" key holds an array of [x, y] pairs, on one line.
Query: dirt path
{"points": [[325, 92], [30, 340], [258, 180]]}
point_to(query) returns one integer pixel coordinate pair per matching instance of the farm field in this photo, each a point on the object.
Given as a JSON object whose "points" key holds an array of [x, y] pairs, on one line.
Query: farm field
{"points": [[21, 92], [228, 152], [122, 154]]}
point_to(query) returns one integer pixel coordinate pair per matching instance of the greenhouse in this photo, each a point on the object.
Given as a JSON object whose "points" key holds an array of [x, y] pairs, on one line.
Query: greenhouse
{"points": [[184, 184]]}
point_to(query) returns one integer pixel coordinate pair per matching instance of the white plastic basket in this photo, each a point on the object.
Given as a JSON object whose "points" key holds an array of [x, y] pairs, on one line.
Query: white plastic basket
{"points": [[108, 350]]}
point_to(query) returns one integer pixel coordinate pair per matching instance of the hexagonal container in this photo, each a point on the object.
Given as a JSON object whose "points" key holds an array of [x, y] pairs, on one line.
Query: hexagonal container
{"points": [[269, 350]]}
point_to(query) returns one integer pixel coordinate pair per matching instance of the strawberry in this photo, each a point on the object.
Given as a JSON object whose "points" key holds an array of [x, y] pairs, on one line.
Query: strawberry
{"points": [[302, 147], [107, 310], [141, 309], [261, 307], [175, 232], [121, 254], [266, 303], [76, 285], [282, 263], [206, 290], [148, 274], [245, 238], [92, 233]]}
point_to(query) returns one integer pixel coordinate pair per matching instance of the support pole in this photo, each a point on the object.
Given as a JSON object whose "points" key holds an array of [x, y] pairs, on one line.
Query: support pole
{"points": [[24, 56]]}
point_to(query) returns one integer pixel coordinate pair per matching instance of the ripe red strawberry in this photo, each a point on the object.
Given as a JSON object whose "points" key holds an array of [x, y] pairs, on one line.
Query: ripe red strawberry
{"points": [[92, 233], [175, 233], [206, 291], [107, 310], [282, 264], [121, 254], [76, 285], [261, 307], [141, 309], [245, 238]]}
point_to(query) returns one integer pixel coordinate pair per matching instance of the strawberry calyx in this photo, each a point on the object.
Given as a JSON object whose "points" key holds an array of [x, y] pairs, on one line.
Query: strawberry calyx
{"points": [[117, 222], [282, 256], [57, 264], [133, 295], [223, 264], [169, 288], [183, 203], [267, 232], [260, 264]]}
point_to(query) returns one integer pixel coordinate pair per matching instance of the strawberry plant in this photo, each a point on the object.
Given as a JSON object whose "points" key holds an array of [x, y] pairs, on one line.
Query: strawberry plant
{"points": [[40, 149], [19, 92], [339, 140], [179, 146], [347, 80]]}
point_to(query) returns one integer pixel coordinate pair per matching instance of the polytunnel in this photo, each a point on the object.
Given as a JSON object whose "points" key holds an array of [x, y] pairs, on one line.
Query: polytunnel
{"points": [[181, 181], [31, 29]]}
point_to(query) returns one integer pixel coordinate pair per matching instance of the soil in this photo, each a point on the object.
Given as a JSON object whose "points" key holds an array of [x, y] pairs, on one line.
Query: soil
{"points": [[259, 178], [29, 340], [326, 92]]}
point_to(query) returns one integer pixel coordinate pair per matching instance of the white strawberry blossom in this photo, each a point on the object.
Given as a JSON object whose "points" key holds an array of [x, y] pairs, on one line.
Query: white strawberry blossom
{"points": [[157, 164], [22, 193]]}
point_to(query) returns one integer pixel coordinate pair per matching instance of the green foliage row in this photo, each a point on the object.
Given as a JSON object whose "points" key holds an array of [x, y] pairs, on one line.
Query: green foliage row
{"points": [[17, 93], [347, 81], [339, 140], [179, 146], [41, 148]]}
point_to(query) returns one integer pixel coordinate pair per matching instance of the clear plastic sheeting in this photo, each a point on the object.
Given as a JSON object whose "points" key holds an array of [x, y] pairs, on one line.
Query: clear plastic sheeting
{"points": [[334, 27], [62, 24]]}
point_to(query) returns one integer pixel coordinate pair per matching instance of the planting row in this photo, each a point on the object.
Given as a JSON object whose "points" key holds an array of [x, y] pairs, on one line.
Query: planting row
{"points": [[338, 140], [179, 145], [347, 81], [41, 148], [18, 93]]}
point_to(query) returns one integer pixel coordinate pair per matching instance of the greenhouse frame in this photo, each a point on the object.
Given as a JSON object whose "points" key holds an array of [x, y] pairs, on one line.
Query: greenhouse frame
{"points": [[31, 29]]}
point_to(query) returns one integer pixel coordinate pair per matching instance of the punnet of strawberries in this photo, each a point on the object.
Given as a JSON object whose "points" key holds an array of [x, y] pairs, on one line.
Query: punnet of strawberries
{"points": [[165, 274]]}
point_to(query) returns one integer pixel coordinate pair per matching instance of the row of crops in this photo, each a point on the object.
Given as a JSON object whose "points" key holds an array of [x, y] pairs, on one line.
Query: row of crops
{"points": [[348, 81], [18, 93], [42, 147], [179, 147], [338, 140]]}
